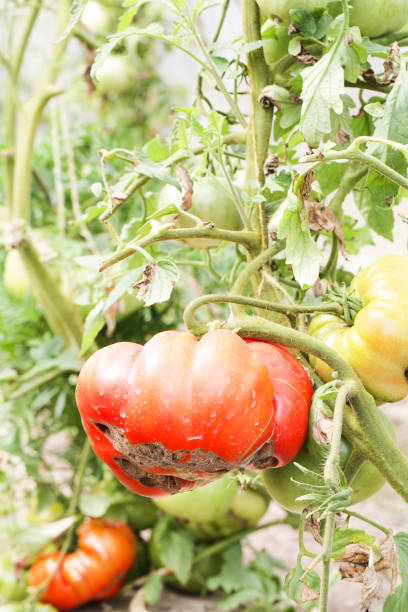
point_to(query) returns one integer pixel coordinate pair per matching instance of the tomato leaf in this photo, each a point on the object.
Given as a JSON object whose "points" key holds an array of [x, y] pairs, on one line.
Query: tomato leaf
{"points": [[178, 553], [301, 250], [76, 10], [92, 326], [342, 537], [323, 85], [29, 540], [397, 602], [158, 282], [153, 589]]}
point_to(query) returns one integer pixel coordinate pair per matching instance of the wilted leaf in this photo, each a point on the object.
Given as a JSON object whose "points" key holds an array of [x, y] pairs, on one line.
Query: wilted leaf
{"points": [[321, 217]]}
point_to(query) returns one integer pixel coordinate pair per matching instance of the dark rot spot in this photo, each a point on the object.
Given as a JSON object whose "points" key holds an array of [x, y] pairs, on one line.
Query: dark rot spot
{"points": [[103, 428], [406, 374], [264, 457]]}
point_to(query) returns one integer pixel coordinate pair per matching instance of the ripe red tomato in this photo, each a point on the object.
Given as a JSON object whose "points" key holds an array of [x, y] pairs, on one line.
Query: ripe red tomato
{"points": [[95, 571], [175, 410]]}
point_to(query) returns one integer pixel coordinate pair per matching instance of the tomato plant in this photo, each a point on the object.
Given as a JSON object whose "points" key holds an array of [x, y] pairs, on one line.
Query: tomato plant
{"points": [[211, 202], [94, 571], [224, 214], [375, 344]]}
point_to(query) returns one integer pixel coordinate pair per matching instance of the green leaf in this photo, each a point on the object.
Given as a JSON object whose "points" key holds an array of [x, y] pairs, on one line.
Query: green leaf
{"points": [[303, 21], [375, 202], [302, 252], [153, 589], [329, 176], [92, 212], [375, 109], [127, 282], [178, 553], [92, 326], [323, 85], [397, 602], [26, 541], [76, 10], [342, 537], [159, 280]]}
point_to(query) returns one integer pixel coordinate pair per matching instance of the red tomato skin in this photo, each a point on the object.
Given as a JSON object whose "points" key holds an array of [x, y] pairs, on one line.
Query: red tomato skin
{"points": [[213, 395], [292, 398], [95, 571]]}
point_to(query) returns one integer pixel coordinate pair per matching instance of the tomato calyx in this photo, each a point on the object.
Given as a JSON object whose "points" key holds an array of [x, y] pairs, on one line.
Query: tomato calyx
{"points": [[136, 459]]}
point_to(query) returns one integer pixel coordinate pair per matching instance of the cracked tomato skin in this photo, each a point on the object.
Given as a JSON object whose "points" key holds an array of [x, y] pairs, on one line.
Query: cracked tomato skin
{"points": [[376, 345], [293, 393], [94, 571], [202, 408]]}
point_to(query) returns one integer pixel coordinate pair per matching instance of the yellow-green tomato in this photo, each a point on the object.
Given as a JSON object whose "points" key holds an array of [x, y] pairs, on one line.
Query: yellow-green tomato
{"points": [[15, 277], [376, 345], [211, 202], [116, 75], [277, 38]]}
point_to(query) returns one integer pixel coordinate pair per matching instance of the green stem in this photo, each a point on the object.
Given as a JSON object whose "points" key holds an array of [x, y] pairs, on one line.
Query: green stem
{"points": [[261, 117], [368, 521], [396, 146], [361, 158], [364, 425], [349, 180], [223, 15], [247, 239], [237, 137], [331, 468], [326, 557], [253, 266], [16, 61], [30, 117], [61, 314], [353, 465]]}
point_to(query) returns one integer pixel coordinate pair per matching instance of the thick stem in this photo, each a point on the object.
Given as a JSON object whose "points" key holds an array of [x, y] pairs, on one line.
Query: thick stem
{"points": [[61, 314], [256, 264], [30, 117], [326, 557], [16, 61], [261, 118]]}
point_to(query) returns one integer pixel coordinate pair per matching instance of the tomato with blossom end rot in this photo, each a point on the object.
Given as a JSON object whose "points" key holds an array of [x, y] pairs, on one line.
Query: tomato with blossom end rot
{"points": [[94, 571], [177, 413]]}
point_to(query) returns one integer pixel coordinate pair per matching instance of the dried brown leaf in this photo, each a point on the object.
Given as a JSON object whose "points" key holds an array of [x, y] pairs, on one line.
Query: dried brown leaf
{"points": [[341, 137], [312, 524], [322, 428], [354, 562], [394, 51], [306, 58], [271, 164], [389, 560], [322, 217], [308, 594], [144, 284], [371, 589], [187, 187], [137, 603], [320, 287], [306, 185]]}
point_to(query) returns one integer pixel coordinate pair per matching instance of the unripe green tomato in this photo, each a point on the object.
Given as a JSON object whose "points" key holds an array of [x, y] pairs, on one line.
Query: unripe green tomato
{"points": [[249, 506], [96, 17], [116, 75], [211, 202], [367, 481], [15, 277], [373, 17], [277, 43], [281, 8], [207, 503], [138, 514]]}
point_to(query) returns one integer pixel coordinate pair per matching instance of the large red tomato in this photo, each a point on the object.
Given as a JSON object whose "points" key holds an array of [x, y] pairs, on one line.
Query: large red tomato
{"points": [[175, 410], [178, 411], [95, 571]]}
